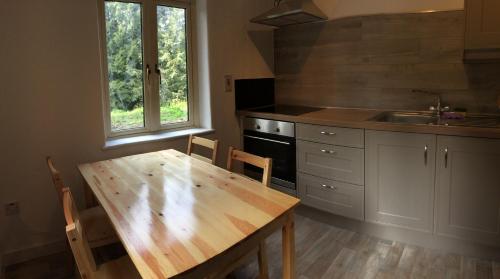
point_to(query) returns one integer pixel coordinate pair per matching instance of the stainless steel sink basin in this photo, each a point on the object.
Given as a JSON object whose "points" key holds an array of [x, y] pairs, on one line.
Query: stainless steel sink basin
{"points": [[424, 118], [406, 118]]}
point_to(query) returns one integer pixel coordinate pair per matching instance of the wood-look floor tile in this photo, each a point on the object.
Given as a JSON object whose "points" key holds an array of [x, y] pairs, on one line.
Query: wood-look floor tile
{"points": [[407, 261], [484, 270], [452, 264], [340, 266], [469, 268]]}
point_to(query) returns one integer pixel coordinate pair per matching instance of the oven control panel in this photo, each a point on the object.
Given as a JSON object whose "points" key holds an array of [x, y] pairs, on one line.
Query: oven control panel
{"points": [[267, 126]]}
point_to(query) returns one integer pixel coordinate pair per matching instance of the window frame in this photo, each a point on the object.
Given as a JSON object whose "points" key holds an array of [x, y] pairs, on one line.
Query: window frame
{"points": [[151, 101]]}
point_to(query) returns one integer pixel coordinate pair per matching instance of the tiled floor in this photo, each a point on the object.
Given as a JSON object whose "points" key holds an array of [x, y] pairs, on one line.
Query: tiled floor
{"points": [[59, 266], [323, 251]]}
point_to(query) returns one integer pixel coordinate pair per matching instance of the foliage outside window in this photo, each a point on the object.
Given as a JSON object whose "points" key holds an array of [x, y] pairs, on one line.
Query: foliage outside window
{"points": [[147, 80]]}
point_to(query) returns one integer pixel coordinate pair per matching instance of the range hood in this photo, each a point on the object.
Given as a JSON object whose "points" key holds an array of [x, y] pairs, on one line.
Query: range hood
{"points": [[291, 12]]}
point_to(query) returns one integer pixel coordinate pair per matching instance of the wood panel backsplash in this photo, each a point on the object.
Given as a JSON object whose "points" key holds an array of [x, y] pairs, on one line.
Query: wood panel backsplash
{"points": [[376, 62]]}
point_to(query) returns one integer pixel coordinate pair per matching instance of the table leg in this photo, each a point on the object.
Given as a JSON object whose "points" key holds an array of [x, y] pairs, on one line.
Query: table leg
{"points": [[289, 247], [89, 196], [262, 260]]}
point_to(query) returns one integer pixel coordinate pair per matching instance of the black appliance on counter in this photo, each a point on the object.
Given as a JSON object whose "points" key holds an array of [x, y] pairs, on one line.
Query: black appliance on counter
{"points": [[276, 140], [258, 95], [253, 93]]}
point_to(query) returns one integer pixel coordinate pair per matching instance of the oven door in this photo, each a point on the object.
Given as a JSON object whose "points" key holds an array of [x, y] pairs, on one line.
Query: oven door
{"points": [[280, 148]]}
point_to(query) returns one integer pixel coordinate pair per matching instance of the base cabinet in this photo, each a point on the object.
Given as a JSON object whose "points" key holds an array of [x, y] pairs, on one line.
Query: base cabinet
{"points": [[442, 185], [468, 189], [400, 171]]}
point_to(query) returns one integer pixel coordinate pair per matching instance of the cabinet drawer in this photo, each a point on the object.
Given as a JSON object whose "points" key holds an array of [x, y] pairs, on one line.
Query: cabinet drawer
{"points": [[335, 197], [339, 163], [331, 135]]}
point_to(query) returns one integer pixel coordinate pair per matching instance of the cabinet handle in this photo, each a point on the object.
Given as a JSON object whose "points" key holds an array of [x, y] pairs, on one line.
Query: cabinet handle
{"points": [[446, 157], [328, 151], [426, 151], [329, 187], [328, 133]]}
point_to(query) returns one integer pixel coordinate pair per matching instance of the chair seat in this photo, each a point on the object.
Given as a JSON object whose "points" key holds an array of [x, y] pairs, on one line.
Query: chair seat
{"points": [[122, 268], [97, 227]]}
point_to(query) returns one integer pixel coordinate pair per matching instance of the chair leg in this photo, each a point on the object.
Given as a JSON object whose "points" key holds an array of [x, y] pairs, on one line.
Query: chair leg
{"points": [[262, 256]]}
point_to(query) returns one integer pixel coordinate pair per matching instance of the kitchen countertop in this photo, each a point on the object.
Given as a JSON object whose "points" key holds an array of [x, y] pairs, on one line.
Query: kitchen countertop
{"points": [[359, 118]]}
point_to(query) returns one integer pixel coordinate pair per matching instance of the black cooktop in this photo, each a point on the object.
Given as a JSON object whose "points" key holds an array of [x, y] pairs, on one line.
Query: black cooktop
{"points": [[286, 109]]}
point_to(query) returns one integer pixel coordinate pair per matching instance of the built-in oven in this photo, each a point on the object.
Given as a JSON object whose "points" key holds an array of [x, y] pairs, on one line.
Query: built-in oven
{"points": [[276, 140]]}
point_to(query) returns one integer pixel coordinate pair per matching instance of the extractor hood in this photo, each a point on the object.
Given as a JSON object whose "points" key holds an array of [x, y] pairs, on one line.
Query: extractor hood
{"points": [[291, 12]]}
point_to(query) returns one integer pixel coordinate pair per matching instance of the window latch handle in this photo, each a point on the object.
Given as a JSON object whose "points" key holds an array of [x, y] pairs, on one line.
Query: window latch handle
{"points": [[148, 72], [158, 72]]}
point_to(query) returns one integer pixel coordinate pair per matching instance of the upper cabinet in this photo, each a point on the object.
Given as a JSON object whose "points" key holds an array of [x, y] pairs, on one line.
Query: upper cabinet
{"points": [[482, 31]]}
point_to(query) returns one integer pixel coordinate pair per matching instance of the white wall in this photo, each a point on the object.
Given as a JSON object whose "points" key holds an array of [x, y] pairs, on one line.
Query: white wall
{"points": [[238, 48], [345, 8], [51, 103]]}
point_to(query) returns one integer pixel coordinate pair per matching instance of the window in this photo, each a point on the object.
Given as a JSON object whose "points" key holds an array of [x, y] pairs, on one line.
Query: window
{"points": [[147, 72]]}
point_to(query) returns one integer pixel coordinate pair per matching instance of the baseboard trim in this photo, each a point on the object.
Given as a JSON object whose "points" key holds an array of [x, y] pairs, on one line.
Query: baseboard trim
{"points": [[426, 240], [24, 255]]}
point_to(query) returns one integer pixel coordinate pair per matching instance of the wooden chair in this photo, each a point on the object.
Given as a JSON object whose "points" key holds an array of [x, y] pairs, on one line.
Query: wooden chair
{"points": [[99, 230], [266, 165], [56, 178], [121, 268], [260, 162], [210, 144]]}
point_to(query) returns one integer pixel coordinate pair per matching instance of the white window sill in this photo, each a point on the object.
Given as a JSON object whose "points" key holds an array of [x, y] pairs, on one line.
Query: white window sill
{"points": [[137, 139]]}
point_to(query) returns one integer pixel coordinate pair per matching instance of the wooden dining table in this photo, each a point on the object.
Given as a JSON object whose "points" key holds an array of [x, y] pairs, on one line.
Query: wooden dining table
{"points": [[181, 217]]}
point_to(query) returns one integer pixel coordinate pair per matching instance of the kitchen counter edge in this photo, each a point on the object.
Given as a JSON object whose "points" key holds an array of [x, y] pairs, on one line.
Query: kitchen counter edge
{"points": [[359, 119]]}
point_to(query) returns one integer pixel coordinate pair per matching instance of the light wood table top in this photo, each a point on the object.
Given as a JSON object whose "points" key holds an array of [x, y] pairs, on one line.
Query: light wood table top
{"points": [[174, 213]]}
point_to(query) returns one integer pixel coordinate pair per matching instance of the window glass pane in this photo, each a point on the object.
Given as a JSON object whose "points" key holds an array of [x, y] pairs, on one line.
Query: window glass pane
{"points": [[172, 61], [125, 64]]}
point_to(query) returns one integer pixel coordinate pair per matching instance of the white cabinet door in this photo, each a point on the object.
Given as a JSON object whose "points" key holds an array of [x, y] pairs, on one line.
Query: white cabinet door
{"points": [[400, 172], [468, 189]]}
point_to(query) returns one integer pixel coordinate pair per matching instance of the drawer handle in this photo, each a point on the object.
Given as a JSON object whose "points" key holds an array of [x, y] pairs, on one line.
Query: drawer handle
{"points": [[446, 157], [328, 151], [426, 150], [329, 187], [328, 133]]}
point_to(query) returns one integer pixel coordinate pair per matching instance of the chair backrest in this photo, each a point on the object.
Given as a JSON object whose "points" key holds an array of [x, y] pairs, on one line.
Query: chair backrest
{"points": [[56, 178], [210, 144], [76, 237], [260, 162]]}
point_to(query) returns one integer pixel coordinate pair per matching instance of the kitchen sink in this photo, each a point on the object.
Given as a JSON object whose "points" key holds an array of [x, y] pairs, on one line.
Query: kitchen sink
{"points": [[427, 118], [406, 118]]}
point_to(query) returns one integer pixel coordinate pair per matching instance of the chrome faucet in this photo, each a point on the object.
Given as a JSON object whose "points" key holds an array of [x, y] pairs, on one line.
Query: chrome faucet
{"points": [[438, 108]]}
